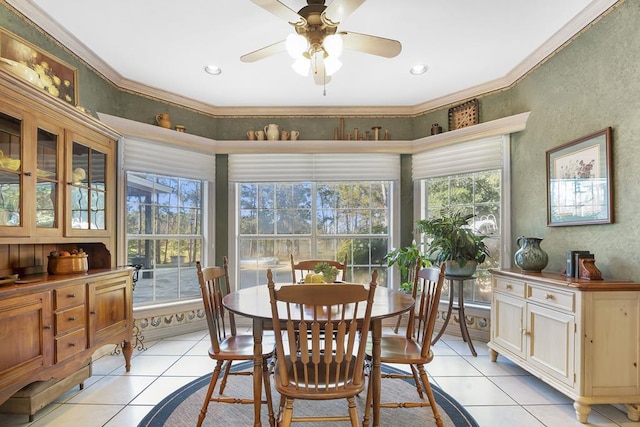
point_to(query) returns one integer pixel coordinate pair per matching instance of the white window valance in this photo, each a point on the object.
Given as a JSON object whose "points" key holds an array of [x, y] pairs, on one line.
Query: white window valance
{"points": [[465, 157], [163, 159], [313, 167]]}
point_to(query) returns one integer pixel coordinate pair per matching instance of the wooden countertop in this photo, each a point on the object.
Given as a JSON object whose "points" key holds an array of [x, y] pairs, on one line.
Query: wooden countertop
{"points": [[35, 281]]}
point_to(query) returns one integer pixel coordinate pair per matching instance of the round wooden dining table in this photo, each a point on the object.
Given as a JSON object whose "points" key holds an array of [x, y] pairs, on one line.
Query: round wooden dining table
{"points": [[254, 303]]}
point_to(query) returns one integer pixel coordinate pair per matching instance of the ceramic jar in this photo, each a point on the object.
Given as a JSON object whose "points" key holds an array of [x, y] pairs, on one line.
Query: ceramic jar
{"points": [[163, 120], [530, 257], [272, 131]]}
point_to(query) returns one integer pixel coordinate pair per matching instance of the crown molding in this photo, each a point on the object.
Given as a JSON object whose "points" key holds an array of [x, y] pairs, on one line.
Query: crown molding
{"points": [[572, 29]]}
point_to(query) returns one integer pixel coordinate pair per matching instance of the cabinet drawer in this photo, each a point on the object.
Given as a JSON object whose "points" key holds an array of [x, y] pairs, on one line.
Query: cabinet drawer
{"points": [[70, 319], [70, 344], [552, 297], [69, 296], [510, 287]]}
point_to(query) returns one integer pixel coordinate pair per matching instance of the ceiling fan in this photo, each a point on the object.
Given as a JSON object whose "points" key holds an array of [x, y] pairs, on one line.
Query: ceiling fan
{"points": [[317, 43]]}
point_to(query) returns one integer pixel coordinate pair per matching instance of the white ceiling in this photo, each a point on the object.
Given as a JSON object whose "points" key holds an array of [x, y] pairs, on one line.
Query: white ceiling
{"points": [[160, 48]]}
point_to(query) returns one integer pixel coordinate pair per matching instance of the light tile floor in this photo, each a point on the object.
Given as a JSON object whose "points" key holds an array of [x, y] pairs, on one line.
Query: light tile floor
{"points": [[496, 394]]}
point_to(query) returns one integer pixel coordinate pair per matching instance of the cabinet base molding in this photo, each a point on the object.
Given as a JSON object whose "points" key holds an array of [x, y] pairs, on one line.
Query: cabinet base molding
{"points": [[30, 399]]}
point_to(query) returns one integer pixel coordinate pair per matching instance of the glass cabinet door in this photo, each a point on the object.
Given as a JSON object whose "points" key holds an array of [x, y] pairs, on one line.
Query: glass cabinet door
{"points": [[48, 198], [12, 218], [88, 188]]}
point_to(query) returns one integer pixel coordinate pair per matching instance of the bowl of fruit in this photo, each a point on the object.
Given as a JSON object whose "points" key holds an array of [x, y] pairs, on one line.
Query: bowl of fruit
{"points": [[68, 262]]}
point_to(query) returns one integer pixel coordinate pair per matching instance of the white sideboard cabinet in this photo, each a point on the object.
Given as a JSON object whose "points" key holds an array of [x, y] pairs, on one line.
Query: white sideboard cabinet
{"points": [[582, 337]]}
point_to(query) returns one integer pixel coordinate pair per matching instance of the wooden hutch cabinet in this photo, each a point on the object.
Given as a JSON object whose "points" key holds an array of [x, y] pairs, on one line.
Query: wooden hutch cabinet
{"points": [[581, 337], [57, 192]]}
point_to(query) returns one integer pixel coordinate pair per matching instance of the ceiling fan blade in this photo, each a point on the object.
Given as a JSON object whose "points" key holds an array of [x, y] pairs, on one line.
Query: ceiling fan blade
{"points": [[281, 11], [264, 52], [340, 9], [373, 45], [319, 73]]}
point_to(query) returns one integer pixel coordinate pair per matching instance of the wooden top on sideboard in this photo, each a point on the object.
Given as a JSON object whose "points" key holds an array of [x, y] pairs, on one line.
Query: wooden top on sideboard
{"points": [[558, 279], [47, 281]]}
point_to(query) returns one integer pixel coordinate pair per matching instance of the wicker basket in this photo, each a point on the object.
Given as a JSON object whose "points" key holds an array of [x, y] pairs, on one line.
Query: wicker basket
{"points": [[68, 264]]}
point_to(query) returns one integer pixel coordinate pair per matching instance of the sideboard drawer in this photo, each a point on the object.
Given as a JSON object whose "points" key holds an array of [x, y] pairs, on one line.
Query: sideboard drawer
{"points": [[70, 319], [511, 287], [552, 297], [70, 344], [69, 296]]}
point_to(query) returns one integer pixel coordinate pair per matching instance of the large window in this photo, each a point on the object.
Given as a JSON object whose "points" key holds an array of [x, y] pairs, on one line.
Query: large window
{"points": [[469, 176], [312, 219], [169, 205], [164, 235]]}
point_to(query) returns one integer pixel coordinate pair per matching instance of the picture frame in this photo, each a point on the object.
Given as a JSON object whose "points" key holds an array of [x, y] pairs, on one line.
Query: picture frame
{"points": [[38, 67], [465, 114], [579, 183]]}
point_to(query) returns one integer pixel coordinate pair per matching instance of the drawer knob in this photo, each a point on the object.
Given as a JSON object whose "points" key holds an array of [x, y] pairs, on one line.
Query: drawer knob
{"points": [[72, 295], [47, 326], [72, 318], [525, 332], [92, 312], [72, 344], [509, 286], [548, 296]]}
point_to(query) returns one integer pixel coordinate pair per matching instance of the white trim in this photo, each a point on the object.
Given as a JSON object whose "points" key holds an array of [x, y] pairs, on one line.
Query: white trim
{"points": [[147, 132]]}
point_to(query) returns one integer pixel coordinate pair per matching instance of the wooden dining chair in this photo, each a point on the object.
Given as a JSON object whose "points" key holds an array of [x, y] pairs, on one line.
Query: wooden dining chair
{"points": [[226, 345], [414, 348], [301, 268], [329, 364]]}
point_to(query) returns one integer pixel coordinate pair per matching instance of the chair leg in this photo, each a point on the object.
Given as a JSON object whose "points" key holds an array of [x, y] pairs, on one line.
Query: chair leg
{"points": [[212, 385], [267, 390], [223, 381], [353, 412], [367, 405], [416, 379], [287, 415], [397, 327], [432, 400]]}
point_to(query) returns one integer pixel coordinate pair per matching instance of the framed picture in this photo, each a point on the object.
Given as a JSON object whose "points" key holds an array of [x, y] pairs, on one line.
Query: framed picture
{"points": [[38, 67], [579, 181]]}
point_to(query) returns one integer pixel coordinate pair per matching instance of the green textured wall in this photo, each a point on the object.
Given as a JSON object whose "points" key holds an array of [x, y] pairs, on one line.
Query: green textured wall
{"points": [[590, 84]]}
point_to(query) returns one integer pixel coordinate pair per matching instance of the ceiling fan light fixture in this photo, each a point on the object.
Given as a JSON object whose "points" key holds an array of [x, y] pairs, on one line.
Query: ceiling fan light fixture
{"points": [[214, 70], [333, 44], [332, 64], [296, 45], [301, 66], [418, 69]]}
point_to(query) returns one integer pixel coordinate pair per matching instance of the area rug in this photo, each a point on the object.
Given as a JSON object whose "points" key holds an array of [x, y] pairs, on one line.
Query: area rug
{"points": [[182, 407]]}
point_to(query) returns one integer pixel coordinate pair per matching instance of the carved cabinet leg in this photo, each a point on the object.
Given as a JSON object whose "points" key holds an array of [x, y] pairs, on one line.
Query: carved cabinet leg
{"points": [[127, 351], [633, 411], [582, 411]]}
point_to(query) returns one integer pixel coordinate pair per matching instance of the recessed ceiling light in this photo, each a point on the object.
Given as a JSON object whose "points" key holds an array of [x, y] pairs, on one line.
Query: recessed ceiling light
{"points": [[418, 69], [213, 70]]}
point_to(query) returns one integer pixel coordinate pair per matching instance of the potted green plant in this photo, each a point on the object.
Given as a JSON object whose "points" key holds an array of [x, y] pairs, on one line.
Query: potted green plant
{"points": [[451, 239], [405, 258], [328, 271]]}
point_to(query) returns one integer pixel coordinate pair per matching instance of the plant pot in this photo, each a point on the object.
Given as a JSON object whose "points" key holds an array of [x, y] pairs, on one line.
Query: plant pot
{"points": [[454, 269]]}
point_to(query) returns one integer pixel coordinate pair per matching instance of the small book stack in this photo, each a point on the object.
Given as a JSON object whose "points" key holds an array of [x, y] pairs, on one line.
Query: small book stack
{"points": [[573, 262]]}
